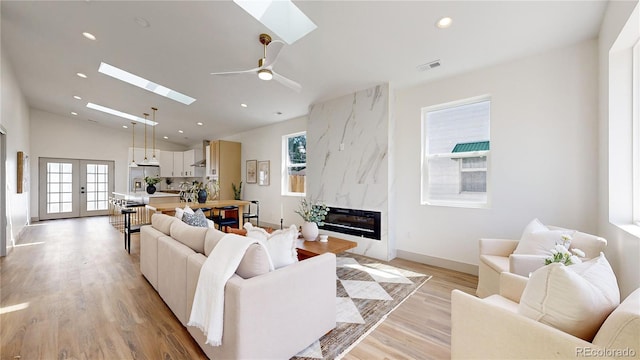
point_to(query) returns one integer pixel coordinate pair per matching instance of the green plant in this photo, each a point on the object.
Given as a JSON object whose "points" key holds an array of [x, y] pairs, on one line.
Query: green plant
{"points": [[168, 181], [237, 192], [312, 212], [151, 180]]}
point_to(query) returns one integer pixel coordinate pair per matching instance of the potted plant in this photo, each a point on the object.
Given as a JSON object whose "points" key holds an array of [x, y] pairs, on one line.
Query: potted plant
{"points": [[151, 183], [237, 191], [313, 215]]}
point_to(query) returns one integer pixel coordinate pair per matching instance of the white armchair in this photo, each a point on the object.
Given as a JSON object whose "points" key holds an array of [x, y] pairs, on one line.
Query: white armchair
{"points": [[496, 256], [492, 328]]}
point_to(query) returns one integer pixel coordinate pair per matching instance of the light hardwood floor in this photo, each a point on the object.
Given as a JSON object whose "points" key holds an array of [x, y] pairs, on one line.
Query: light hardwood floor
{"points": [[70, 290]]}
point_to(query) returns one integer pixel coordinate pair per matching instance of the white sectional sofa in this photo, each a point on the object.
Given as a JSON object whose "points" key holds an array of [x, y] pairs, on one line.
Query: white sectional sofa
{"points": [[268, 315]]}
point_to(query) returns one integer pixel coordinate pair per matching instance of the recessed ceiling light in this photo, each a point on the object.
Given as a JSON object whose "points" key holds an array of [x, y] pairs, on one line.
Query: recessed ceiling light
{"points": [[82, 75], [74, 113], [165, 137], [89, 35], [181, 132], [144, 83], [199, 123], [120, 114], [278, 112], [444, 22], [243, 105], [77, 97], [125, 126]]}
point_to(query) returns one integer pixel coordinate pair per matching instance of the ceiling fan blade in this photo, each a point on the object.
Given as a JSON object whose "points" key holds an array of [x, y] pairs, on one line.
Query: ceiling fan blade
{"points": [[287, 82], [235, 72], [273, 50]]}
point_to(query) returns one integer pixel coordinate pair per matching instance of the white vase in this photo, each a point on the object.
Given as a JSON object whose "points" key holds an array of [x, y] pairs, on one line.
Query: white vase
{"points": [[310, 231]]}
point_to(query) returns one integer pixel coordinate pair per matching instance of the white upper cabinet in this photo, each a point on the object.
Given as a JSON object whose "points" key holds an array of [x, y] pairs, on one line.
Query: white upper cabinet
{"points": [[166, 163]]}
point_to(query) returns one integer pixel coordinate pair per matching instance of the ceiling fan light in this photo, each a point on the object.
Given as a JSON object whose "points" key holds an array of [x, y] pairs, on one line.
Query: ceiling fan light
{"points": [[265, 74]]}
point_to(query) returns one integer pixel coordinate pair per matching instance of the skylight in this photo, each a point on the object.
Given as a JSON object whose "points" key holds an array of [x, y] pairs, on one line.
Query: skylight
{"points": [[144, 83], [120, 114], [281, 16]]}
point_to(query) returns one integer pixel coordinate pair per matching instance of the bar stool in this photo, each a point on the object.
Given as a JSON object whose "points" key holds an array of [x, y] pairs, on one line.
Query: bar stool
{"points": [[225, 217]]}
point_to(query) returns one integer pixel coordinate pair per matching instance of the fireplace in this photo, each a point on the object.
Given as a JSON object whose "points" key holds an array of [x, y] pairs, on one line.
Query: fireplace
{"points": [[361, 223]]}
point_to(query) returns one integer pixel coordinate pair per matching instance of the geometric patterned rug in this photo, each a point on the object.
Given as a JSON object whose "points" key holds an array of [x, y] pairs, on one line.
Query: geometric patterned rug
{"points": [[368, 290]]}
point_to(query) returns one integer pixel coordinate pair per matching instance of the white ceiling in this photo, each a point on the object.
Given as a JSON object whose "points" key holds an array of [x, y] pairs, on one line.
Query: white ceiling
{"points": [[356, 45]]}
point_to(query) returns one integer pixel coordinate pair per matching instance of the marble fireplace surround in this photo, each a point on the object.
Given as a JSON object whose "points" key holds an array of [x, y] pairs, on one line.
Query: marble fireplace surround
{"points": [[348, 159]]}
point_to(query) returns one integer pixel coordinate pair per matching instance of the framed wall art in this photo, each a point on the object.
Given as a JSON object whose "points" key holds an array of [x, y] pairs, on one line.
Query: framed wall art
{"points": [[252, 171], [263, 173]]}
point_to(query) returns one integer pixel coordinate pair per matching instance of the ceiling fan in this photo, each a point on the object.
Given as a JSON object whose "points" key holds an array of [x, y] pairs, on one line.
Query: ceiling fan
{"points": [[265, 64]]}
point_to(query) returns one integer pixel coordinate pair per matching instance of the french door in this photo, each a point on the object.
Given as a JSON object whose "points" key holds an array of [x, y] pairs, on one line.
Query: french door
{"points": [[74, 188]]}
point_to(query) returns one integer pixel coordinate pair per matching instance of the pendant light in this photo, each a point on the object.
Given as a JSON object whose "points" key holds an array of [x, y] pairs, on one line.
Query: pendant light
{"points": [[145, 161], [154, 159], [133, 145]]}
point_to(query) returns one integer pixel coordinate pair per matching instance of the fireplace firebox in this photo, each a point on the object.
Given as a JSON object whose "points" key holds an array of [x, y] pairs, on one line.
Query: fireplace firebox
{"points": [[356, 222]]}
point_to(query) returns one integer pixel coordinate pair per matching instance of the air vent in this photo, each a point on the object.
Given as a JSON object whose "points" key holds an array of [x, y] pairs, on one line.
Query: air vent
{"points": [[428, 66]]}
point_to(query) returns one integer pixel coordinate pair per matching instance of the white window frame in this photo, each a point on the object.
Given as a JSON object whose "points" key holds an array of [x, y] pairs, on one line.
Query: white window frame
{"points": [[286, 165], [636, 133], [424, 180]]}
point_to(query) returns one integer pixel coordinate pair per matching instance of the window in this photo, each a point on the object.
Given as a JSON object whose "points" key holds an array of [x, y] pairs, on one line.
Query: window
{"points": [[636, 133], [455, 146], [294, 160]]}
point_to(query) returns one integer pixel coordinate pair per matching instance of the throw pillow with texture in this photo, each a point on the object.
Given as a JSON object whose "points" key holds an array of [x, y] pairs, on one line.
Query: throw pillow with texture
{"points": [[180, 212], [575, 299], [281, 244], [196, 219], [537, 239]]}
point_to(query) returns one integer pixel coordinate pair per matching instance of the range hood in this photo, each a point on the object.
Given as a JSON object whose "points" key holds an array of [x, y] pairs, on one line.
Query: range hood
{"points": [[203, 162]]}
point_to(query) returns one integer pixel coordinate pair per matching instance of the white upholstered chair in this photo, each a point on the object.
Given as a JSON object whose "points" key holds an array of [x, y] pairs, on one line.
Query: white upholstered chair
{"points": [[492, 328], [496, 256]]}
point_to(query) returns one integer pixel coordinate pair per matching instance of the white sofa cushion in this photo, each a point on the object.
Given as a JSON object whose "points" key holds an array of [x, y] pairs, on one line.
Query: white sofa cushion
{"points": [[254, 262], [281, 244], [575, 299], [192, 236], [537, 239], [162, 222]]}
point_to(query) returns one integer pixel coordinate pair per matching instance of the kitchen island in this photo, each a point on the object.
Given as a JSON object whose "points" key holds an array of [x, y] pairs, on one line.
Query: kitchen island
{"points": [[148, 199]]}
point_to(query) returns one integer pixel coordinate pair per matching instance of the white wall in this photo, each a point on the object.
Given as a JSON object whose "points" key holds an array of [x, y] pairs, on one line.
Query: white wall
{"points": [[265, 143], [14, 117], [623, 249], [62, 137], [543, 155]]}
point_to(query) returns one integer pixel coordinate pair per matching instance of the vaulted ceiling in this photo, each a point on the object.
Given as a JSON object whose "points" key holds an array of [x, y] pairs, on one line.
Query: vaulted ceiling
{"points": [[356, 45]]}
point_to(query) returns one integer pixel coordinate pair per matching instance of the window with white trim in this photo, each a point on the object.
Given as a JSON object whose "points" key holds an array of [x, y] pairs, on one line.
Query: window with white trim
{"points": [[636, 133], [455, 153], [294, 160]]}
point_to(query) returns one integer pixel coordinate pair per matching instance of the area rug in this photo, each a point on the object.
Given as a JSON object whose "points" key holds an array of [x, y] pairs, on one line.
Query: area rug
{"points": [[368, 290]]}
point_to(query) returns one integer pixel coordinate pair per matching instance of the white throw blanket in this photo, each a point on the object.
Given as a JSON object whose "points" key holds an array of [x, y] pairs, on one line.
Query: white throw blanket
{"points": [[207, 312]]}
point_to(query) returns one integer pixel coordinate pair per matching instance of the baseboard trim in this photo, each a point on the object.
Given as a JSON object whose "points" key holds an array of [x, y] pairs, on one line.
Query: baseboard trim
{"points": [[434, 261]]}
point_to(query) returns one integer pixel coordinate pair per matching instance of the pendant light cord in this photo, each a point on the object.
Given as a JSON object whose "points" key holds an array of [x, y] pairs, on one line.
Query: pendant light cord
{"points": [[145, 137], [154, 131]]}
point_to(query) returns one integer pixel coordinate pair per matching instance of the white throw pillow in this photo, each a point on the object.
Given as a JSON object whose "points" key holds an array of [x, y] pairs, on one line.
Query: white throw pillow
{"points": [[537, 239], [575, 299], [180, 212], [281, 244]]}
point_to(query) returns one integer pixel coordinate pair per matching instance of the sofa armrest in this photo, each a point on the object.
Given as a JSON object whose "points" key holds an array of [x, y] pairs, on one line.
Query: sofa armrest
{"points": [[523, 264], [497, 247], [512, 286], [275, 315], [482, 330]]}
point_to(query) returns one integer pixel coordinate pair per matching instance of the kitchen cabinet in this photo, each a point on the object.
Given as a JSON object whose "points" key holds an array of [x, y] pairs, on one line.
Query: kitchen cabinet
{"points": [[178, 164], [225, 166], [188, 158], [166, 163]]}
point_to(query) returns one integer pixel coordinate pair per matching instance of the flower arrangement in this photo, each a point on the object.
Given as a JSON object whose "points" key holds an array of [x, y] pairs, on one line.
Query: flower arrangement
{"points": [[560, 253], [312, 212], [151, 180]]}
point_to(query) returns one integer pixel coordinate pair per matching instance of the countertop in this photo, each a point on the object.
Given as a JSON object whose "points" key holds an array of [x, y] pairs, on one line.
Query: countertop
{"points": [[142, 196]]}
